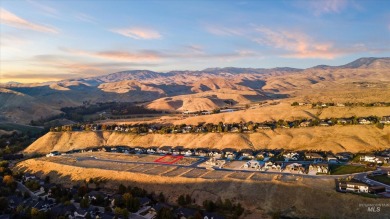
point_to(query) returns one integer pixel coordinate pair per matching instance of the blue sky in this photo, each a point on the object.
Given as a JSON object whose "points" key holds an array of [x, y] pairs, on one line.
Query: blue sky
{"points": [[54, 40]]}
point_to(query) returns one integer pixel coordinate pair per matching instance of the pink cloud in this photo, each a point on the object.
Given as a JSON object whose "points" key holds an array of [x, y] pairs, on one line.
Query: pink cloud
{"points": [[138, 33], [13, 20], [298, 45], [147, 56]]}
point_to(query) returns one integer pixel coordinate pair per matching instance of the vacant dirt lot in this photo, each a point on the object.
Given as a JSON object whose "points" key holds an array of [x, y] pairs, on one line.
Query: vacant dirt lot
{"points": [[295, 197]]}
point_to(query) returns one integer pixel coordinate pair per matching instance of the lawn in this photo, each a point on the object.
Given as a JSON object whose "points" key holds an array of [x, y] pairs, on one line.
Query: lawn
{"points": [[348, 169], [382, 178]]}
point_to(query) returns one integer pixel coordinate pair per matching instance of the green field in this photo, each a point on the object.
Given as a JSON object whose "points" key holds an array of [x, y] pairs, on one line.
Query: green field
{"points": [[348, 169], [383, 179]]}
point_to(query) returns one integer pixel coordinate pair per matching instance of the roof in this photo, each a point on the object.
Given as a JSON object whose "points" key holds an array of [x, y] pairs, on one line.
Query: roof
{"points": [[165, 147], [186, 212], [144, 200], [159, 205]]}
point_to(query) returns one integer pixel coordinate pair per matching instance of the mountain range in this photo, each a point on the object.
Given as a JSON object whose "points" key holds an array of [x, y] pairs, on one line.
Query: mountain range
{"points": [[207, 89]]}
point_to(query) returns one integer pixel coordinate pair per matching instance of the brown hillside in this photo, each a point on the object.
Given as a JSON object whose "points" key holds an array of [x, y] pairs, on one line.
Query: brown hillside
{"points": [[337, 138]]}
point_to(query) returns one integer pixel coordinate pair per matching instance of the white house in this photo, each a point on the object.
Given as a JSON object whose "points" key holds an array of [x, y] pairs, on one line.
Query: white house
{"points": [[364, 121], [352, 186], [331, 159], [252, 164]]}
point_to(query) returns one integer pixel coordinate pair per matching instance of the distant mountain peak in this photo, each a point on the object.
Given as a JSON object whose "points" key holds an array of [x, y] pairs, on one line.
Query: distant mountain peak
{"points": [[367, 62]]}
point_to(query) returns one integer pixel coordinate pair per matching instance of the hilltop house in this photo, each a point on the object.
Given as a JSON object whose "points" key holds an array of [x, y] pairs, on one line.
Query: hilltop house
{"points": [[215, 153], [252, 164], [291, 156], [305, 124], [364, 121], [164, 150], [152, 150], [374, 159], [353, 186], [314, 156], [319, 168], [385, 120], [247, 154], [331, 159], [202, 152], [344, 156]]}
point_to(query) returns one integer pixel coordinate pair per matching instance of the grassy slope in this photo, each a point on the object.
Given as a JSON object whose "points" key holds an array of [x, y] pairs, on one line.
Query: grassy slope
{"points": [[337, 138]]}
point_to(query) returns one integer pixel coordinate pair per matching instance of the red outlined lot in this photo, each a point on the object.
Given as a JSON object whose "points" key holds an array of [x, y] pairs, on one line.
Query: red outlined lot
{"points": [[168, 159]]}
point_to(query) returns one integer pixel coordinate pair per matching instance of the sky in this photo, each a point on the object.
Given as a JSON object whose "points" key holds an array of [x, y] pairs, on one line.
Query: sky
{"points": [[62, 39]]}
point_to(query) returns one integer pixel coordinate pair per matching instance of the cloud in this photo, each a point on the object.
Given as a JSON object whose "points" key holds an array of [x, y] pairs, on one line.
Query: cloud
{"points": [[48, 10], [297, 45], [138, 33], [85, 18], [143, 55], [223, 31], [326, 7], [13, 20]]}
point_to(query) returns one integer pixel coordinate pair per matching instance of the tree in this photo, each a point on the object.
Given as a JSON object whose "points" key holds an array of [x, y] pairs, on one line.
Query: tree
{"points": [[125, 213], [165, 213], [161, 197], [181, 200], [188, 199], [84, 203], [121, 189], [3, 203], [8, 180], [295, 104]]}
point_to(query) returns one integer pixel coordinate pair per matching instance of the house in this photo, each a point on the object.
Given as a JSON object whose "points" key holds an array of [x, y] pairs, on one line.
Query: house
{"points": [[139, 150], [234, 129], [374, 159], [215, 153], [63, 210], [152, 150], [178, 150], [291, 156], [227, 110], [364, 121], [264, 127], [184, 213], [252, 164], [215, 163], [80, 213], [305, 124], [331, 159], [319, 168], [344, 156], [144, 201], [342, 121], [264, 155], [189, 152], [53, 153], [385, 120], [353, 186], [314, 156], [340, 104], [247, 154], [296, 167], [164, 150], [270, 165], [202, 152], [230, 153], [323, 123]]}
